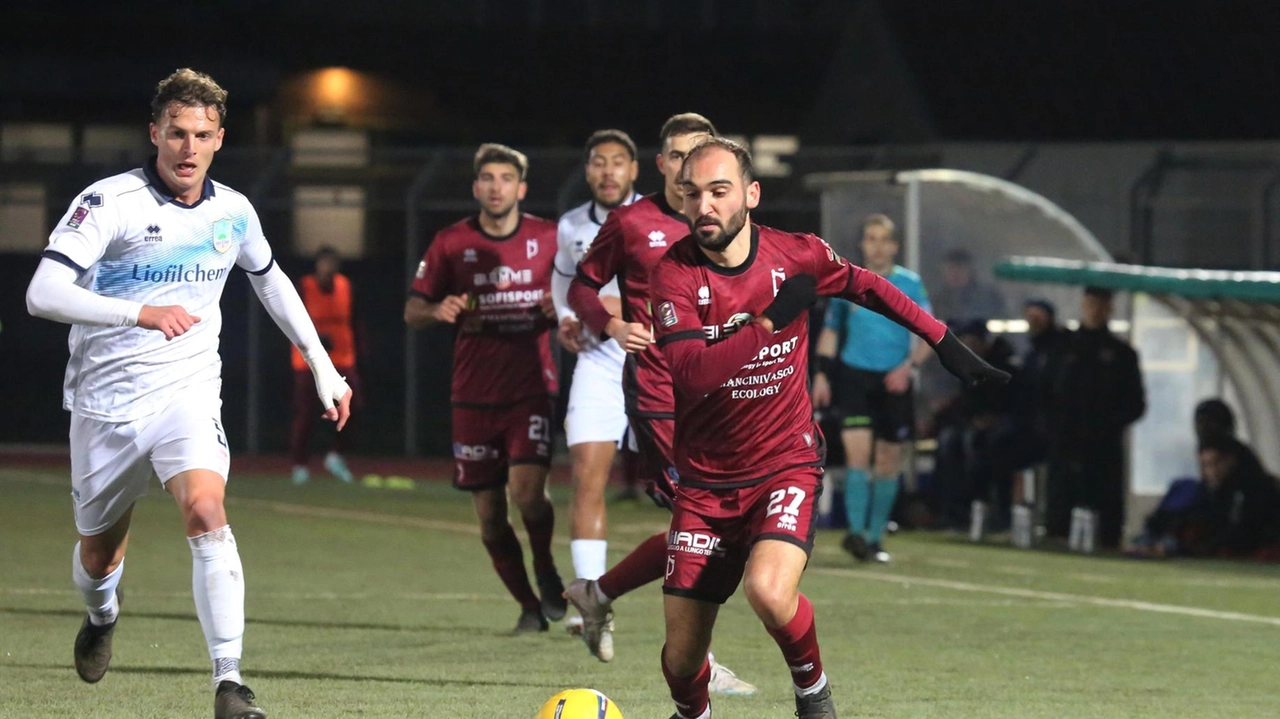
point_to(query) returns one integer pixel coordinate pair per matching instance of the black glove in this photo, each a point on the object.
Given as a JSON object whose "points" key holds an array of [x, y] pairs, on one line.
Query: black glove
{"points": [[795, 296], [661, 496], [963, 363]]}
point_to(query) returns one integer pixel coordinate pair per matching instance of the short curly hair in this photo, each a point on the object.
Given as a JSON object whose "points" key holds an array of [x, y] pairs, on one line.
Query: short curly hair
{"points": [[188, 88]]}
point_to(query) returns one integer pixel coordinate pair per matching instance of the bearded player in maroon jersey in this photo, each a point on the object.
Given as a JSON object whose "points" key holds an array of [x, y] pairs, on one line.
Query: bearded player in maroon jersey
{"points": [[629, 243], [490, 276], [731, 319]]}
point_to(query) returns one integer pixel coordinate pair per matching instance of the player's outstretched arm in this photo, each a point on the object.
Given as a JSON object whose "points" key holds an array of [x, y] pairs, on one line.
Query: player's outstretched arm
{"points": [[280, 298], [874, 292]]}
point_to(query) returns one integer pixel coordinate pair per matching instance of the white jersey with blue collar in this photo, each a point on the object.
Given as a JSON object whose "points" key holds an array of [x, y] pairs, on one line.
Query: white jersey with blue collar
{"points": [[127, 237], [577, 230]]}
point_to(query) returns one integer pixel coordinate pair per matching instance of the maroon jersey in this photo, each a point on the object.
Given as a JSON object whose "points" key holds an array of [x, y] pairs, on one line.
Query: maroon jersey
{"points": [[502, 348], [629, 244], [742, 401]]}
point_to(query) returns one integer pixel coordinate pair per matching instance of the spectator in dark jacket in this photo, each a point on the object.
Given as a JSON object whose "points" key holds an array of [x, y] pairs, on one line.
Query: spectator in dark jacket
{"points": [[1234, 511], [1094, 391]]}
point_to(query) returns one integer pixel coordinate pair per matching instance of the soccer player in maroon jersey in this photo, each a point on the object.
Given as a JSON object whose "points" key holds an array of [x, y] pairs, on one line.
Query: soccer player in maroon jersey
{"points": [[630, 242], [730, 310], [490, 276]]}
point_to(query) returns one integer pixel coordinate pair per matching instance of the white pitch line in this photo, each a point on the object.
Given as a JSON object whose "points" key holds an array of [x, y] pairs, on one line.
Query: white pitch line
{"points": [[391, 519], [1051, 596], [295, 596]]}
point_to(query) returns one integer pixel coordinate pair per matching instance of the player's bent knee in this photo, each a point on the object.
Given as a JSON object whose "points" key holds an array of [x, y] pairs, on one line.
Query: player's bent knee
{"points": [[100, 562], [773, 601], [204, 513]]}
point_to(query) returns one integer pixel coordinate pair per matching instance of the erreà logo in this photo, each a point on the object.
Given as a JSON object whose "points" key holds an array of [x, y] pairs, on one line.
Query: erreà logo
{"points": [[502, 277], [657, 238]]}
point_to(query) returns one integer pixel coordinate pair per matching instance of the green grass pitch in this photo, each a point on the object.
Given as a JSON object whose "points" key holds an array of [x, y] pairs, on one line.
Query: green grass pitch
{"points": [[373, 603]]}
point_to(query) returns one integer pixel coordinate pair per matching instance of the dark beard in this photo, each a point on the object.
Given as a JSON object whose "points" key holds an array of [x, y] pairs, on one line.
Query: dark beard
{"points": [[622, 197], [725, 238]]}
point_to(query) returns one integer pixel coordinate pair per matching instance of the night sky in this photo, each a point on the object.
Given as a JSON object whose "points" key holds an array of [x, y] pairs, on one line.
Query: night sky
{"points": [[548, 71]]}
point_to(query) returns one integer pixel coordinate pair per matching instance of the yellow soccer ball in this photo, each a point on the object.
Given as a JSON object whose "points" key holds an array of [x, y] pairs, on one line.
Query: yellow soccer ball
{"points": [[579, 704]]}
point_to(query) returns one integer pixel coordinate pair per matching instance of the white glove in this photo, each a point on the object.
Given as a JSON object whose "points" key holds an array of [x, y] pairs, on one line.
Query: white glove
{"points": [[330, 386]]}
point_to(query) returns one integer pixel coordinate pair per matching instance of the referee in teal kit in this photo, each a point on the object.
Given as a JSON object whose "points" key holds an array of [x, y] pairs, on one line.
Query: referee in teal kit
{"points": [[872, 377]]}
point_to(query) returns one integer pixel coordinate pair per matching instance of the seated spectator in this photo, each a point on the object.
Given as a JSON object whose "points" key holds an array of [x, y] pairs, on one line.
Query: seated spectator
{"points": [[1214, 416], [1234, 511]]}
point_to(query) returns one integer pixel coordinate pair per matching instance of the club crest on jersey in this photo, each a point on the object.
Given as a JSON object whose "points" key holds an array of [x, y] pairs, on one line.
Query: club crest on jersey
{"points": [[667, 314], [77, 217], [704, 295], [657, 238], [530, 248], [779, 276], [469, 255], [222, 235]]}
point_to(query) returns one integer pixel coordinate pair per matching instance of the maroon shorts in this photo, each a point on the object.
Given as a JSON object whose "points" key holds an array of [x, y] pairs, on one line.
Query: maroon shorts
{"points": [[655, 464], [486, 442], [713, 530]]}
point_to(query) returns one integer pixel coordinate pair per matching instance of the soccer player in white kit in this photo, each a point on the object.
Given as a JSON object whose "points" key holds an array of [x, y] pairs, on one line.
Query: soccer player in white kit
{"points": [[137, 267], [596, 423]]}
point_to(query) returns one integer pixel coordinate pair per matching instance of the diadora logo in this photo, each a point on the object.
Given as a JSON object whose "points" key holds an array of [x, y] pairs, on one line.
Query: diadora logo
{"points": [[153, 234], [704, 295], [474, 452], [694, 543], [469, 255], [657, 238], [178, 273], [503, 277]]}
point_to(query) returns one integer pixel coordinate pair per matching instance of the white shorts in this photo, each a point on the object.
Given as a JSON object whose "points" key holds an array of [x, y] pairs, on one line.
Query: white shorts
{"points": [[597, 411], [112, 462]]}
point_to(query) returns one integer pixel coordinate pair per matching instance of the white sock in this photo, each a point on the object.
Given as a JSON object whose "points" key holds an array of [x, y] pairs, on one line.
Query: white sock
{"points": [[99, 594], [217, 582], [817, 687], [588, 557]]}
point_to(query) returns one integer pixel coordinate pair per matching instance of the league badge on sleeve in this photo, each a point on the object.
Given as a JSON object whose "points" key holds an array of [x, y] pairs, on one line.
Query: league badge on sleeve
{"points": [[77, 217], [667, 314], [222, 235]]}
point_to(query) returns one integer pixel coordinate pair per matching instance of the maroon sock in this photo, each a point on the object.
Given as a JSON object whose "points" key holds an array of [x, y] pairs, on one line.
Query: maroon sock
{"points": [[646, 563], [798, 640], [540, 541], [508, 562], [689, 693]]}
